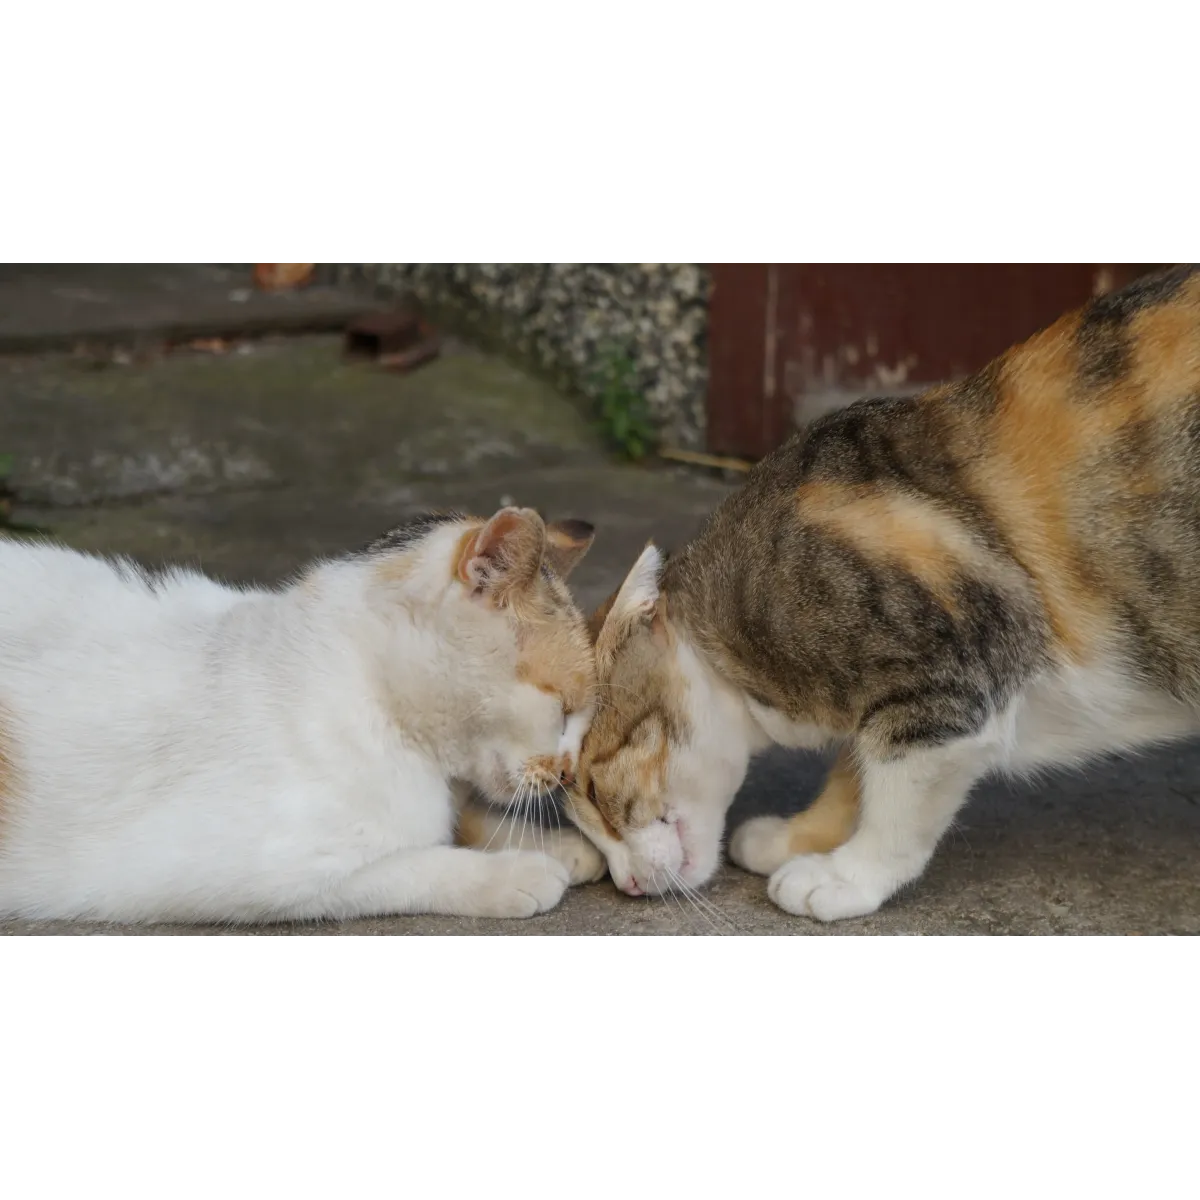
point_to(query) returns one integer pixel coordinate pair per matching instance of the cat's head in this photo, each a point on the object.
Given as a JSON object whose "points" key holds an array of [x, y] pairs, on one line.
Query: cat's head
{"points": [[667, 750], [490, 657]]}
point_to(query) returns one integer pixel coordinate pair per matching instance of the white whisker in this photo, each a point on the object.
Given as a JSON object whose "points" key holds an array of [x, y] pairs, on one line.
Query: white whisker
{"points": [[675, 882], [703, 904], [540, 827], [526, 792], [667, 894], [501, 823], [518, 808]]}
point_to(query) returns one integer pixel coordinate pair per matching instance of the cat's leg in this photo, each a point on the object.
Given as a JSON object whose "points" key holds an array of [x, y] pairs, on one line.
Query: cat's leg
{"points": [[484, 828], [764, 844], [908, 803], [446, 881]]}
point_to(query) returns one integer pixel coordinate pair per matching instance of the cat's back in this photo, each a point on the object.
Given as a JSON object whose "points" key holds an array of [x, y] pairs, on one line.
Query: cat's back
{"points": [[1104, 402], [61, 604], [1063, 478]]}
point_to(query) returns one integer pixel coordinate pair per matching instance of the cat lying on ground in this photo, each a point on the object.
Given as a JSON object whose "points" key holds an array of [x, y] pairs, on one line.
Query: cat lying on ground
{"points": [[175, 749]]}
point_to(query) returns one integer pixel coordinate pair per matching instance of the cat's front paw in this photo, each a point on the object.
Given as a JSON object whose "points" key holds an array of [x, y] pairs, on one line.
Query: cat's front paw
{"points": [[819, 886], [584, 863], [760, 846], [520, 884]]}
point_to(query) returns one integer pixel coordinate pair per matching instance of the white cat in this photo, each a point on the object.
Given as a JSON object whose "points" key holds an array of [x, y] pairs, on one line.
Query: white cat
{"points": [[175, 749]]}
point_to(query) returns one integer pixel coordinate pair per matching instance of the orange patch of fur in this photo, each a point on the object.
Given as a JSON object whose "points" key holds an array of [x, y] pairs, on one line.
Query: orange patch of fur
{"points": [[652, 765], [832, 818], [890, 526], [633, 768], [1044, 435], [464, 550], [555, 657], [1038, 434], [1165, 344], [545, 770], [590, 818], [472, 828]]}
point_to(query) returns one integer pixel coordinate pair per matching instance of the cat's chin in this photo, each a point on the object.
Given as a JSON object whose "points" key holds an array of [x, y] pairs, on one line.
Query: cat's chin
{"points": [[495, 784]]}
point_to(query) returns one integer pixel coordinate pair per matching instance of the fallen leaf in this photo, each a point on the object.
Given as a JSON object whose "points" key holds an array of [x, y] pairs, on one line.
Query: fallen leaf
{"points": [[278, 277], [209, 345]]}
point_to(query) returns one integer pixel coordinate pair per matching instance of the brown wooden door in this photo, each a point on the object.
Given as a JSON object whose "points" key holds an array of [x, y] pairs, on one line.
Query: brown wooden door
{"points": [[790, 341]]}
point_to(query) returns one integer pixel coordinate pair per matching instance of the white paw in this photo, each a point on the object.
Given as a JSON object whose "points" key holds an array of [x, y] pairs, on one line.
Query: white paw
{"points": [[584, 863], [819, 886], [519, 884], [761, 846]]}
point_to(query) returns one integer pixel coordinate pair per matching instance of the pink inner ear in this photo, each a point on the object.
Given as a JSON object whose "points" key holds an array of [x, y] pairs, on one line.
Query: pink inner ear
{"points": [[497, 548]]}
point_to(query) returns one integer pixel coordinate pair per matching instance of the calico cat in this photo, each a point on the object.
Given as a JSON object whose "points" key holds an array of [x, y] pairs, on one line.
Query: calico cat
{"points": [[1002, 574], [175, 749]]}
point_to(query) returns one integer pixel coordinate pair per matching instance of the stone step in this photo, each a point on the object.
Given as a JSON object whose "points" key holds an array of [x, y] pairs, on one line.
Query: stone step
{"points": [[47, 306]]}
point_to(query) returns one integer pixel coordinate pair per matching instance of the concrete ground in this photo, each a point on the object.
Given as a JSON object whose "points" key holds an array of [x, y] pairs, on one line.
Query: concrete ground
{"points": [[251, 462]]}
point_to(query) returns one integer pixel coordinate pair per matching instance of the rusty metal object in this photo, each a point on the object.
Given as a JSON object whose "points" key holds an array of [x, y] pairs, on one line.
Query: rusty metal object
{"points": [[408, 360], [743, 418], [789, 342], [380, 333], [398, 340]]}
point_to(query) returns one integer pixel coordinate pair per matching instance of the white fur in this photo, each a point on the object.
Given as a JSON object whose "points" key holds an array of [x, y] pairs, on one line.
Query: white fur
{"points": [[1065, 718], [639, 593], [783, 731], [906, 807], [185, 750], [633, 605]]}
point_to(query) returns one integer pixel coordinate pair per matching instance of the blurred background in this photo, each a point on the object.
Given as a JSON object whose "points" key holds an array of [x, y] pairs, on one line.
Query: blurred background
{"points": [[245, 418]]}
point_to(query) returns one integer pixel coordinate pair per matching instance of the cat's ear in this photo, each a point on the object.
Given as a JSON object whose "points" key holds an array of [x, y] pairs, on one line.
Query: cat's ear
{"points": [[505, 555], [566, 543], [639, 603], [639, 594]]}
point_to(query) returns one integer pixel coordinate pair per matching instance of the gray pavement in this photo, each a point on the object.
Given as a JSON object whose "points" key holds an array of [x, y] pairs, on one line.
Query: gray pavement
{"points": [[248, 464]]}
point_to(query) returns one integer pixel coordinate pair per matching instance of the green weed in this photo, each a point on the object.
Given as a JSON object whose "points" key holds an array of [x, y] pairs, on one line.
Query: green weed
{"points": [[624, 415]]}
